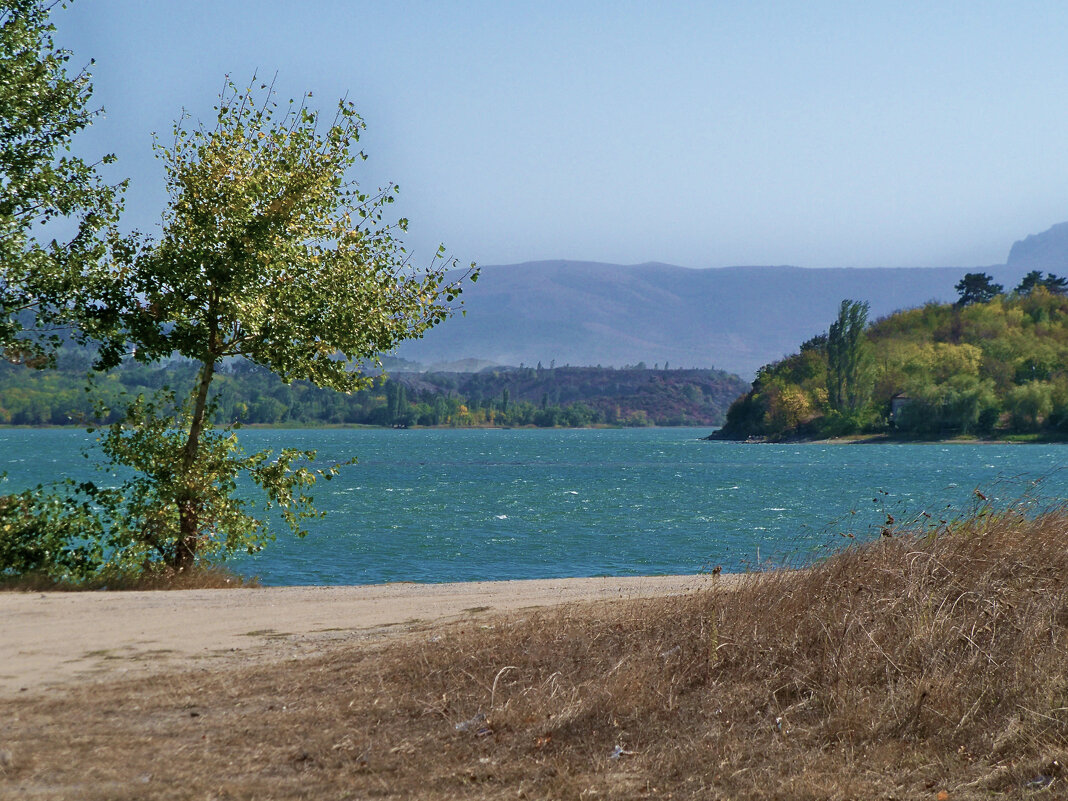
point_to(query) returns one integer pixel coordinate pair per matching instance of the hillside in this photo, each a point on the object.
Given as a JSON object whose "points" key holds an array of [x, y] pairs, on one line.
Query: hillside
{"points": [[736, 318], [986, 368], [628, 396], [555, 396]]}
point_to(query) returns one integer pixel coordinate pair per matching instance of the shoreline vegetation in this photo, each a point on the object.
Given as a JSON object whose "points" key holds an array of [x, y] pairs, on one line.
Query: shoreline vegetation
{"points": [[891, 438], [993, 366], [926, 664], [505, 397]]}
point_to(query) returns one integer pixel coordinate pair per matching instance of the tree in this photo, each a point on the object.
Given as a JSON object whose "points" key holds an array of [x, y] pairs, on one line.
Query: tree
{"points": [[392, 402], [1029, 404], [977, 288], [54, 207], [1029, 282], [1054, 284], [846, 356], [270, 253]]}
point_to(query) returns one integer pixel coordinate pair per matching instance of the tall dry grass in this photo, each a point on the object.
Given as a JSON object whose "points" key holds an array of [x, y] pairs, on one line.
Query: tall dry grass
{"points": [[914, 663], [913, 667]]}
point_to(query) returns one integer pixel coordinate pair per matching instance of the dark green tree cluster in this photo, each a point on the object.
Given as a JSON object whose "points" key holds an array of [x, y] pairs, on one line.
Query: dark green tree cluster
{"points": [[981, 288], [1054, 284], [977, 288], [997, 366]]}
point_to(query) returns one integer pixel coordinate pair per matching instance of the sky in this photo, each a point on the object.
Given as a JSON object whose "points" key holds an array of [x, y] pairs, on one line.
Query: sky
{"points": [[705, 134]]}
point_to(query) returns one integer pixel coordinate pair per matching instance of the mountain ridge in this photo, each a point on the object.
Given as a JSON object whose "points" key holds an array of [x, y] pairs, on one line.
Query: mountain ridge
{"points": [[1045, 251], [730, 318]]}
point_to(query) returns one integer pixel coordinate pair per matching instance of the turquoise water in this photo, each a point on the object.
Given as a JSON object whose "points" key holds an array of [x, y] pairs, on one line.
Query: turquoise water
{"points": [[459, 505]]}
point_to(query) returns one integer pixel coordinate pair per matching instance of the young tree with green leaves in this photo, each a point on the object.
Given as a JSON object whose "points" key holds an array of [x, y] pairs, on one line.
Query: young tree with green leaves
{"points": [[54, 208], [270, 252]]}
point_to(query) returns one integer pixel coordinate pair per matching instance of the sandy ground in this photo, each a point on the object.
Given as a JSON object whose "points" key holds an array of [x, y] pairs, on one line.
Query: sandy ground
{"points": [[49, 640]]}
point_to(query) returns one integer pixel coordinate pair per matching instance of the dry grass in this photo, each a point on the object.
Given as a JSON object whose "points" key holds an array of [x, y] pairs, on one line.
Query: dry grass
{"points": [[910, 668]]}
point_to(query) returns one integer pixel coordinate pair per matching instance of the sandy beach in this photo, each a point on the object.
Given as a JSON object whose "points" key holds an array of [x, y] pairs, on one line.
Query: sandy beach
{"points": [[49, 640]]}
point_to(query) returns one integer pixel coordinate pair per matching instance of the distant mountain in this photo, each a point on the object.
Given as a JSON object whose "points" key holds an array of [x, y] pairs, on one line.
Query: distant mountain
{"points": [[1046, 251], [733, 318]]}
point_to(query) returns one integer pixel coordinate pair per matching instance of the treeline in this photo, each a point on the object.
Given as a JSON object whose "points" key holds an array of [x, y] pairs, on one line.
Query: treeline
{"points": [[549, 396], [994, 363], [245, 393]]}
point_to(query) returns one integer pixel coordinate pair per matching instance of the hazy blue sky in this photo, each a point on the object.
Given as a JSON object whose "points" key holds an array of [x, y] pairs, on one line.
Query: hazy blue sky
{"points": [[703, 134]]}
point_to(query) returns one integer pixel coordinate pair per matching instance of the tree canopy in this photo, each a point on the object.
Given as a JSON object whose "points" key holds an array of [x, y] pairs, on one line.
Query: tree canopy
{"points": [[845, 348], [977, 288], [994, 367], [54, 207], [1053, 284], [271, 252]]}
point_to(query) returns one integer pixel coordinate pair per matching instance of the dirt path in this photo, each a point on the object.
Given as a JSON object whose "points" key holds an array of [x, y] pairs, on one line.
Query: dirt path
{"points": [[48, 640]]}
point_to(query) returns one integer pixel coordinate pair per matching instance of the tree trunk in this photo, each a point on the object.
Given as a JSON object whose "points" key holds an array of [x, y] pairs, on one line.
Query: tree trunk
{"points": [[189, 505]]}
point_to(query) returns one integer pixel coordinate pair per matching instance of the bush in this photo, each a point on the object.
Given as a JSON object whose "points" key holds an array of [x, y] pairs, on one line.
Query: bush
{"points": [[49, 534]]}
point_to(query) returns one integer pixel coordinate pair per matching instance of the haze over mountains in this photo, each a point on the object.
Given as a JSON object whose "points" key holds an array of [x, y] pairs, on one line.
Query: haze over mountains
{"points": [[732, 318]]}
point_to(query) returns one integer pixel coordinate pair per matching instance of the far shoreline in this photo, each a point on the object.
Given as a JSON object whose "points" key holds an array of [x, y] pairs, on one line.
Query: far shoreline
{"points": [[890, 439], [850, 439], [365, 426]]}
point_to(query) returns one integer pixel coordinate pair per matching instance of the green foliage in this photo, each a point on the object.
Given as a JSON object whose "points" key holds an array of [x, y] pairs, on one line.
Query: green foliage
{"points": [[242, 392], [962, 404], [270, 253], [56, 213], [997, 367], [1029, 404], [56, 535], [149, 446], [1053, 284], [846, 357], [977, 288]]}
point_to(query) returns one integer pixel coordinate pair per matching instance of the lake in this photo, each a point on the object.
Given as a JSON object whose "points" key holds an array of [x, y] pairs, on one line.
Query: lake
{"points": [[463, 505]]}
